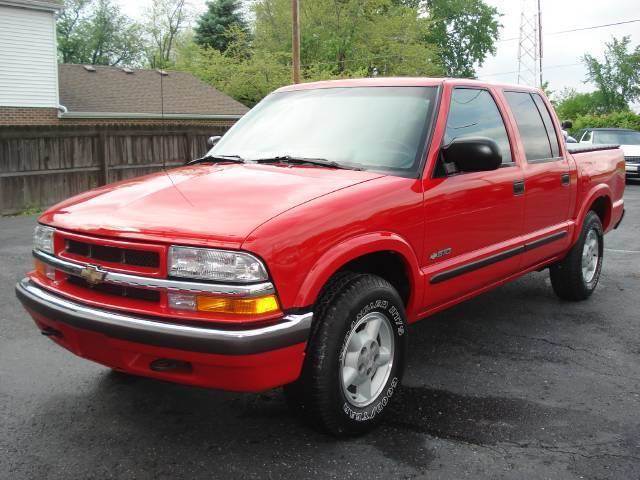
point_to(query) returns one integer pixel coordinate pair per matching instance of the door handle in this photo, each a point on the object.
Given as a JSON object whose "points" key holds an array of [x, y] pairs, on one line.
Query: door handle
{"points": [[518, 187], [566, 179]]}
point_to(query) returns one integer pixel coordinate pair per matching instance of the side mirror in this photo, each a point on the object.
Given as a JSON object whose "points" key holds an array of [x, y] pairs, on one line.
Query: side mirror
{"points": [[473, 154], [211, 141]]}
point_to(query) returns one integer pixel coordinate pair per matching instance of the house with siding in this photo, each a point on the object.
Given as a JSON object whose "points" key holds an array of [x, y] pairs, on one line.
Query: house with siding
{"points": [[28, 61], [67, 128], [35, 90]]}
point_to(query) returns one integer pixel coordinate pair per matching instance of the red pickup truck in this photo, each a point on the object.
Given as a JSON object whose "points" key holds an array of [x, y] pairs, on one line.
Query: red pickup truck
{"points": [[332, 216]]}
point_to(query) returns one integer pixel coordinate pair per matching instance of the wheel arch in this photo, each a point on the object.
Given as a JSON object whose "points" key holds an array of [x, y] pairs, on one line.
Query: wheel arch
{"points": [[383, 253], [598, 200], [602, 206]]}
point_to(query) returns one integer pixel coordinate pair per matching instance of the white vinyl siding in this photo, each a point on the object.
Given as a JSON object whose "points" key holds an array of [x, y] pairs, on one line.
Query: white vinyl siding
{"points": [[28, 63]]}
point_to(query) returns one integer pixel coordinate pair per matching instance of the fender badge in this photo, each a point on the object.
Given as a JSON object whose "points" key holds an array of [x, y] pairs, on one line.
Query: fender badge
{"points": [[93, 275], [440, 253]]}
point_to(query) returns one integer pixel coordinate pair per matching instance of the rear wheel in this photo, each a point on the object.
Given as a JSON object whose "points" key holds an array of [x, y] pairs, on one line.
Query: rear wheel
{"points": [[355, 356], [576, 276]]}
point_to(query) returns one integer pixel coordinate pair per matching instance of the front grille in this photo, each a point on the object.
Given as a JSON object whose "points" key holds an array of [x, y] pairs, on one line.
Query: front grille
{"points": [[118, 290], [632, 159], [124, 256]]}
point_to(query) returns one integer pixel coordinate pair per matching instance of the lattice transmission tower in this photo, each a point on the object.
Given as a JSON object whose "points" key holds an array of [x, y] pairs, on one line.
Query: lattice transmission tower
{"points": [[530, 44]]}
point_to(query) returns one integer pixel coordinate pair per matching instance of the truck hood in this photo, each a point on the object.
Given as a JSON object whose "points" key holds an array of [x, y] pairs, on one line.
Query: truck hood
{"points": [[215, 205]]}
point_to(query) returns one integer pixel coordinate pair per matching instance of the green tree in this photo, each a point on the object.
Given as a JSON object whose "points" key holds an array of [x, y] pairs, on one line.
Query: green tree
{"points": [[465, 32], [546, 88], [343, 36], [67, 25], [167, 20], [625, 119], [570, 104], [212, 28], [618, 76], [95, 32], [341, 39]]}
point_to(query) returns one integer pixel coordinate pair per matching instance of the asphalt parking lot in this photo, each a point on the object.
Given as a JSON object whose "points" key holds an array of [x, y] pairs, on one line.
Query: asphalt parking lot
{"points": [[513, 384]]}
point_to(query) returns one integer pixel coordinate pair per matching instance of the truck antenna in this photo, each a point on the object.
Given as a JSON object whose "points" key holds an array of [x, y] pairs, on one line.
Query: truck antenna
{"points": [[162, 130]]}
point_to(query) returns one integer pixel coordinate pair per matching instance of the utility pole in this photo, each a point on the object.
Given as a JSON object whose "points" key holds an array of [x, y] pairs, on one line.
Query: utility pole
{"points": [[540, 40], [295, 17]]}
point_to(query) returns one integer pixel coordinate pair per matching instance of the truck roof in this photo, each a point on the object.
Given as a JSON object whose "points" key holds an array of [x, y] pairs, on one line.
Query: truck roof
{"points": [[609, 129], [399, 82]]}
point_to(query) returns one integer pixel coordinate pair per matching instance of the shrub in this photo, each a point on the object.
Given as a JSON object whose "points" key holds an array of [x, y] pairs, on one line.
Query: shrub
{"points": [[626, 119]]}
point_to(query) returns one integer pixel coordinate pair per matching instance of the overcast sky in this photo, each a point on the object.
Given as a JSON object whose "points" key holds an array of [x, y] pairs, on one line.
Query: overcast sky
{"points": [[562, 52]]}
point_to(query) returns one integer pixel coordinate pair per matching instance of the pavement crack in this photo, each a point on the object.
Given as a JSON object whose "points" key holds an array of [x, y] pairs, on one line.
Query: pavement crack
{"points": [[564, 451], [573, 349]]}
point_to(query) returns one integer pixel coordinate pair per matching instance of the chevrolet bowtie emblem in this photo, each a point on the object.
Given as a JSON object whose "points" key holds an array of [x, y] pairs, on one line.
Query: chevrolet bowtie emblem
{"points": [[92, 275]]}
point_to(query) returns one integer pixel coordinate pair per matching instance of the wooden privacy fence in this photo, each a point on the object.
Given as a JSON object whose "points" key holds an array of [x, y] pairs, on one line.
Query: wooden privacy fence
{"points": [[40, 166]]}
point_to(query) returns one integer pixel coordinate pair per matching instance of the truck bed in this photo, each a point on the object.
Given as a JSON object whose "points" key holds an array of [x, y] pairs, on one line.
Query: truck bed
{"points": [[588, 147]]}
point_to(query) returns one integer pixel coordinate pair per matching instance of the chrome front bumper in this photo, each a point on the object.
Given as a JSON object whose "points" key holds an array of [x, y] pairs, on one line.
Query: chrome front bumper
{"points": [[290, 330]]}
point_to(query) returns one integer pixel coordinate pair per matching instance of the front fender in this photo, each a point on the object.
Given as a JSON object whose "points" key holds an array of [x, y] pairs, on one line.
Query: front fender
{"points": [[332, 260]]}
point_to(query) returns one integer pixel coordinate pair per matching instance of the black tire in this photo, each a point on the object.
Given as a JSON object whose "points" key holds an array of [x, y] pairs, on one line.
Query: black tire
{"points": [[319, 395], [567, 278]]}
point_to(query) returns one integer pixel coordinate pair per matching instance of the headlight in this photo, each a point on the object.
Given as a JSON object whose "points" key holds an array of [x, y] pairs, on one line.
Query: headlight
{"points": [[43, 238], [216, 265]]}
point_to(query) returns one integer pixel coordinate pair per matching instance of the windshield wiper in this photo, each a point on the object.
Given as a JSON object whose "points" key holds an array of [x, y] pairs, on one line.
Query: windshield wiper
{"points": [[218, 159], [323, 162]]}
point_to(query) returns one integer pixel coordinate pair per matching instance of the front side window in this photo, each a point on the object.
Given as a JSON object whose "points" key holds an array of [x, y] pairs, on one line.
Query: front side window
{"points": [[474, 113], [375, 128], [533, 132]]}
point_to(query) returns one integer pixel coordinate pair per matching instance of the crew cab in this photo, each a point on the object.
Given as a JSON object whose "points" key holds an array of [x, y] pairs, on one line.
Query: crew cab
{"points": [[298, 251]]}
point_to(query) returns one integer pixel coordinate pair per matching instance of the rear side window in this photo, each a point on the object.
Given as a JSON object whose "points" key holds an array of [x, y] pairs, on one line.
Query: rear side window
{"points": [[548, 124], [474, 113], [533, 132]]}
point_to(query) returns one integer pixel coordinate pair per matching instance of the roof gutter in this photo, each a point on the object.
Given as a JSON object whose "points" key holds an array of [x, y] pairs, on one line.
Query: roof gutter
{"points": [[34, 4], [146, 116]]}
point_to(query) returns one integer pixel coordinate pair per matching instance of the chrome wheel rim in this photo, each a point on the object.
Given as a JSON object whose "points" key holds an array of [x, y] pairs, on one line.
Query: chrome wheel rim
{"points": [[590, 256], [367, 359]]}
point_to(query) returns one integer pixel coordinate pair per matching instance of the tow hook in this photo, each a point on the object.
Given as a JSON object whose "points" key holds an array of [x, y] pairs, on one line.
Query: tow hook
{"points": [[51, 332], [170, 365]]}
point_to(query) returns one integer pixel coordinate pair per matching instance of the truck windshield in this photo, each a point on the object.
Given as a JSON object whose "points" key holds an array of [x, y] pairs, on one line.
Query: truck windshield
{"points": [[614, 137], [373, 128]]}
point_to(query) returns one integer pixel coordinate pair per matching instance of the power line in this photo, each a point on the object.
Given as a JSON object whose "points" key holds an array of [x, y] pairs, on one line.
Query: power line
{"points": [[578, 29], [395, 57], [516, 71], [559, 32], [595, 26]]}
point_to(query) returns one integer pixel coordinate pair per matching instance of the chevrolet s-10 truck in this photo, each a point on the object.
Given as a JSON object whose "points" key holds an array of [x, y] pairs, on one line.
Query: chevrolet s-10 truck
{"points": [[329, 219]]}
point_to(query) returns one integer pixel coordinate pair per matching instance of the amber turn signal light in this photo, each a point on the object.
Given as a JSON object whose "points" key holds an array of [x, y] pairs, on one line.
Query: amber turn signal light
{"points": [[44, 270], [224, 305], [238, 306]]}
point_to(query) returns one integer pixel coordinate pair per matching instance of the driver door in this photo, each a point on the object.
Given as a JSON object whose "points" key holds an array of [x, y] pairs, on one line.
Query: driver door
{"points": [[473, 220]]}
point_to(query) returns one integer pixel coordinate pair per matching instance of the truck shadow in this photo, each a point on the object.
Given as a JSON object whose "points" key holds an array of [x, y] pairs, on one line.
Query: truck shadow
{"points": [[445, 398]]}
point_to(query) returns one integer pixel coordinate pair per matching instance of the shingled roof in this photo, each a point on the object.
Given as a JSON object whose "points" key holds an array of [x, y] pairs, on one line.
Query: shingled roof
{"points": [[114, 91], [52, 5]]}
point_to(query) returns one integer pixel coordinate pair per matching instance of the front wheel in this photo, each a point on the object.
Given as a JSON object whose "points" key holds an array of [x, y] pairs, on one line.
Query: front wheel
{"points": [[576, 276], [355, 357]]}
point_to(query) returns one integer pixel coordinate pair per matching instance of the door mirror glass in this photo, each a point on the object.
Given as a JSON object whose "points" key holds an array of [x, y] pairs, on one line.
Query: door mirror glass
{"points": [[473, 154], [211, 141]]}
